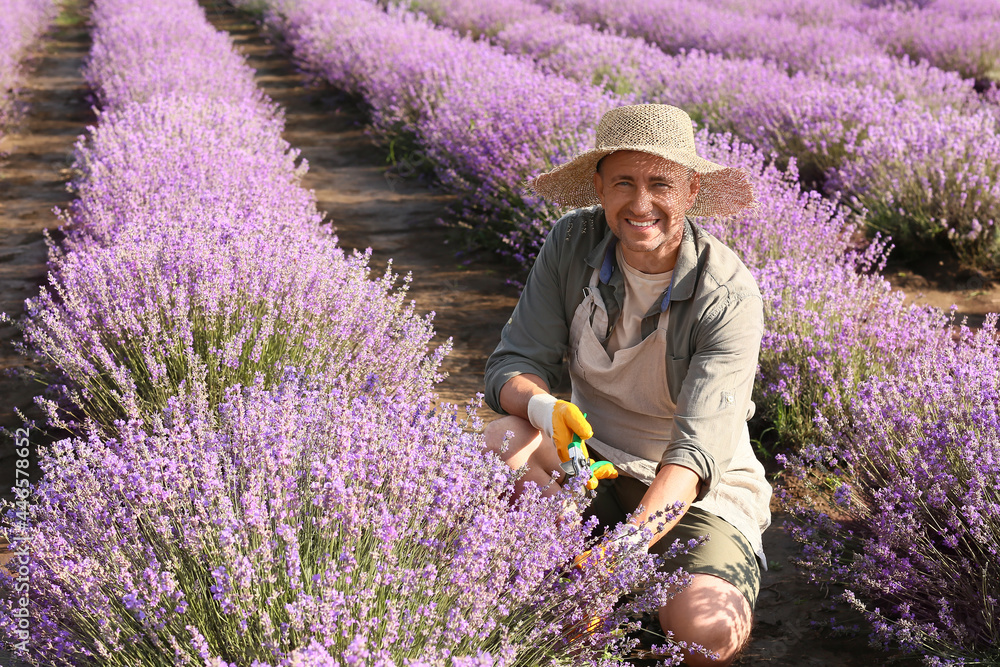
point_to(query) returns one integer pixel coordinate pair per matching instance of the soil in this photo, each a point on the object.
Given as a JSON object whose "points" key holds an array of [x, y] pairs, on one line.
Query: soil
{"points": [[935, 279], [397, 218]]}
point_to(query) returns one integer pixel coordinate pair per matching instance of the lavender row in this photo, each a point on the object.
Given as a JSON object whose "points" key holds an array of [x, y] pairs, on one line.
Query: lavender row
{"points": [[911, 469], [924, 167], [836, 329], [961, 38], [258, 477], [632, 64], [21, 24], [808, 35]]}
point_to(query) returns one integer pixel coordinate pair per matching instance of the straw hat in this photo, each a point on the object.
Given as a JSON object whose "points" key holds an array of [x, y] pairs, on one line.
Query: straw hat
{"points": [[658, 129]]}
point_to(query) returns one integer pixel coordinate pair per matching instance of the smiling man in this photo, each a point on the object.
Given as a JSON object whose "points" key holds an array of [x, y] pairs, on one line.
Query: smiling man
{"points": [[661, 324]]}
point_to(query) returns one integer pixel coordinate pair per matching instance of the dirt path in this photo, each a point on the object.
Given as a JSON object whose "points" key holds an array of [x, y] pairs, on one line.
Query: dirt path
{"points": [[935, 281], [33, 176], [35, 161]]}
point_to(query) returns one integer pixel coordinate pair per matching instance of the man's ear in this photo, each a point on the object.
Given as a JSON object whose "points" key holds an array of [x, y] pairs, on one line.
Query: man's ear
{"points": [[695, 186], [599, 186]]}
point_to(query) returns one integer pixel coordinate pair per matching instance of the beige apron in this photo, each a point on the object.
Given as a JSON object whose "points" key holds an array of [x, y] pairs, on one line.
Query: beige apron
{"points": [[626, 399]]}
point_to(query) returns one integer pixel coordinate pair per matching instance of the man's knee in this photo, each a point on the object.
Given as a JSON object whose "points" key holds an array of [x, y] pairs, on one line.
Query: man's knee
{"points": [[508, 435], [712, 613]]}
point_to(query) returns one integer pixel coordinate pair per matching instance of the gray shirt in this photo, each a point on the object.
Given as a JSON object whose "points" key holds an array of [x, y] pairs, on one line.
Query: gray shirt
{"points": [[713, 340]]}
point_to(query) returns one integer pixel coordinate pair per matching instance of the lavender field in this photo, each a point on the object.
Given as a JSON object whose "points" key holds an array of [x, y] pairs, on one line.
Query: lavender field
{"points": [[256, 469]]}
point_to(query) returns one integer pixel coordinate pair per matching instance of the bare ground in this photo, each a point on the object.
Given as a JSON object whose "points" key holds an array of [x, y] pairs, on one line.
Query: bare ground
{"points": [[396, 218]]}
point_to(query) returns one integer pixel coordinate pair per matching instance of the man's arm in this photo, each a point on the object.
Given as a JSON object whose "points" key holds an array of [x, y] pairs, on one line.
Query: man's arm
{"points": [[535, 339], [715, 397], [673, 483], [517, 391]]}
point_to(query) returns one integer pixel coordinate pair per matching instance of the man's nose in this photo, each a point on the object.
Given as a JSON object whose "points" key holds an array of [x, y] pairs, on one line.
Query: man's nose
{"points": [[642, 201]]}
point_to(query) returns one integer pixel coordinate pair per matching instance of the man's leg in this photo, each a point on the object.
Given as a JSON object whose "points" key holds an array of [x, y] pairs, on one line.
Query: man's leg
{"points": [[710, 612], [715, 611], [526, 447]]}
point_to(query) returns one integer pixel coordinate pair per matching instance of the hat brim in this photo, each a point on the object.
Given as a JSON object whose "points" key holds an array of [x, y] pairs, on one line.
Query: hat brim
{"points": [[724, 191]]}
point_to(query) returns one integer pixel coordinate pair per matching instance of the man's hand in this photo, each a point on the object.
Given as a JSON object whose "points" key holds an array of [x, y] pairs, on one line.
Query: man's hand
{"points": [[600, 470], [559, 420], [566, 426]]}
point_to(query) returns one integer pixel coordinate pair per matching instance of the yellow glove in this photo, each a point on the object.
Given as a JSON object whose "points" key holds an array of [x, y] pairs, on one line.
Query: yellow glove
{"points": [[559, 420], [567, 420], [600, 470]]}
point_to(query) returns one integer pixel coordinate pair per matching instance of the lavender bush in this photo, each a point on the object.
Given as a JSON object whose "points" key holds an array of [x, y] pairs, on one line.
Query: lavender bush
{"points": [[192, 249], [130, 323], [129, 62], [932, 179], [294, 525], [911, 476], [963, 38], [676, 25], [22, 22]]}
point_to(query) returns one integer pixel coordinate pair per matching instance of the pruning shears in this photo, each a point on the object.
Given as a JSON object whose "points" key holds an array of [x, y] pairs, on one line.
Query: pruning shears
{"points": [[580, 462]]}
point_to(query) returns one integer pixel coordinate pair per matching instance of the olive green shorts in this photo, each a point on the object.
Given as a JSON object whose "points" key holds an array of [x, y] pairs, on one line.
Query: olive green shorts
{"points": [[727, 553]]}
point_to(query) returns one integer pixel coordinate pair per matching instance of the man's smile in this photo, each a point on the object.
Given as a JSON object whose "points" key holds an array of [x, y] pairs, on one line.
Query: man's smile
{"points": [[642, 223]]}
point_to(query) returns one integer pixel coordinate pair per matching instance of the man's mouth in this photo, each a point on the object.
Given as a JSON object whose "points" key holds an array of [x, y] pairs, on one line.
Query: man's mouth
{"points": [[642, 223]]}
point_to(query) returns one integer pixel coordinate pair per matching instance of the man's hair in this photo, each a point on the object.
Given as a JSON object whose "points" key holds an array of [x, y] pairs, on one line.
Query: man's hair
{"points": [[597, 168]]}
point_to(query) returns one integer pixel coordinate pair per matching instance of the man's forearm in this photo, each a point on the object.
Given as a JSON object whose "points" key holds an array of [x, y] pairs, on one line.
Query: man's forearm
{"points": [[517, 391], [672, 484]]}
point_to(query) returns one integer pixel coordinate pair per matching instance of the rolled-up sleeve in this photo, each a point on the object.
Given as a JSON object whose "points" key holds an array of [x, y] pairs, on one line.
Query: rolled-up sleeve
{"points": [[715, 398], [536, 336]]}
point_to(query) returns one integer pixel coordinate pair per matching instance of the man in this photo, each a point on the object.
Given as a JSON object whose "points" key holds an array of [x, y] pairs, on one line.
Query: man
{"points": [[662, 325]]}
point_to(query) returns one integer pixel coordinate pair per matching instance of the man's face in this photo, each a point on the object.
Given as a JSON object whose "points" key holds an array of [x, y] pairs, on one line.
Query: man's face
{"points": [[645, 198]]}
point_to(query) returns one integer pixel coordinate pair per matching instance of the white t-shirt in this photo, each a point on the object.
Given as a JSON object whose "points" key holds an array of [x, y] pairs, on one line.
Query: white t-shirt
{"points": [[642, 290]]}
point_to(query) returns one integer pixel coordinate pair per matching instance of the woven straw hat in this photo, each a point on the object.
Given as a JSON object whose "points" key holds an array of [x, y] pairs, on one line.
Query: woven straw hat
{"points": [[658, 129]]}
